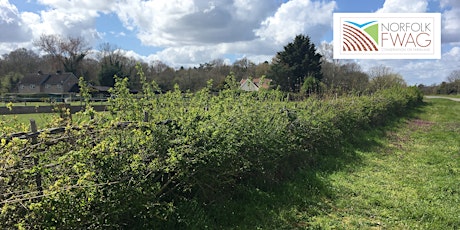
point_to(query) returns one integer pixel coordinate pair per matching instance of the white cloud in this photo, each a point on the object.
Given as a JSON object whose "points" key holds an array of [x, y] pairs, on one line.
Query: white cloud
{"points": [[188, 55], [404, 6], [13, 28], [296, 17], [66, 18], [88, 6], [199, 31], [449, 3], [189, 31], [71, 18], [178, 23], [451, 21]]}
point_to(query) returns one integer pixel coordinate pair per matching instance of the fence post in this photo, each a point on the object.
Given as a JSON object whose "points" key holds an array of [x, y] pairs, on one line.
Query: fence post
{"points": [[146, 116], [38, 176]]}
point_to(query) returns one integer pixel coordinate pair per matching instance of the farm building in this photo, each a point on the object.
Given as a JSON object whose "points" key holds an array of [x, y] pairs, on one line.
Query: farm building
{"points": [[52, 83]]}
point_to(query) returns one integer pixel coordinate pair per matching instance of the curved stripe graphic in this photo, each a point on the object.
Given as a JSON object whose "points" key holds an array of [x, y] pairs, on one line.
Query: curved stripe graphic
{"points": [[348, 44], [359, 39], [363, 36], [355, 40]]}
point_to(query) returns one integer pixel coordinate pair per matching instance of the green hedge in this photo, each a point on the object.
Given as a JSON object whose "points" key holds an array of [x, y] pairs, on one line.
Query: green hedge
{"points": [[194, 148]]}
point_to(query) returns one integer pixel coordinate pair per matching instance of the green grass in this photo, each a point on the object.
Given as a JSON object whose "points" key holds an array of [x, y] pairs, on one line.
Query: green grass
{"points": [[43, 120], [403, 176], [74, 103], [23, 120]]}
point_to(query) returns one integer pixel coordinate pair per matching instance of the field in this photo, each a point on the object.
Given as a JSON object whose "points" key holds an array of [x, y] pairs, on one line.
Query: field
{"points": [[403, 176], [43, 120]]}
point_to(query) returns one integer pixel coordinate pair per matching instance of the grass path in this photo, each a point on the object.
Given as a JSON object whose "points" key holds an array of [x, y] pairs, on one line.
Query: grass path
{"points": [[406, 176], [410, 180], [443, 97]]}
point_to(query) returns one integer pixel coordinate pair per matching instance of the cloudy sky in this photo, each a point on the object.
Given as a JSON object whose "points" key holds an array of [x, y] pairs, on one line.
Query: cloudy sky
{"points": [[190, 32]]}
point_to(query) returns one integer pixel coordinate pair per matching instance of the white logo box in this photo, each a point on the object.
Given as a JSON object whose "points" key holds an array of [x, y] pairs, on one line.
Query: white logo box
{"points": [[387, 35]]}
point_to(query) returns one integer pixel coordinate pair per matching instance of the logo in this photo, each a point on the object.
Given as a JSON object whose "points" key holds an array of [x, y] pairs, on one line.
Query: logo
{"points": [[360, 37], [387, 36]]}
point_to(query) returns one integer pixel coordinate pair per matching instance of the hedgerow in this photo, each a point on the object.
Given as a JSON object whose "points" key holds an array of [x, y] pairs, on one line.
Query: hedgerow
{"points": [[177, 148]]}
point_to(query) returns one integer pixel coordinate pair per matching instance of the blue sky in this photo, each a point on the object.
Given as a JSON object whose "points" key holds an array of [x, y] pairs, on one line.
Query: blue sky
{"points": [[190, 32]]}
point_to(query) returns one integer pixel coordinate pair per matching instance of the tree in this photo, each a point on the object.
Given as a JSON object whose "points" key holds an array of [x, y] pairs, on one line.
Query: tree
{"points": [[344, 78], [296, 62], [113, 62], [382, 77], [262, 69], [454, 76], [110, 64], [244, 68], [22, 61], [352, 78], [90, 69], [162, 74], [331, 68], [311, 85], [67, 52], [9, 81], [454, 81]]}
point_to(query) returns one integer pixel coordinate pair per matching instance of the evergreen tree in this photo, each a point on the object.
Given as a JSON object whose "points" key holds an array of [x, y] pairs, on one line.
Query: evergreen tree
{"points": [[295, 63]]}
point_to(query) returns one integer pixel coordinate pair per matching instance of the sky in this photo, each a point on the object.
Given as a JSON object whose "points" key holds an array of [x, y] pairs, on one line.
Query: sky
{"points": [[192, 32]]}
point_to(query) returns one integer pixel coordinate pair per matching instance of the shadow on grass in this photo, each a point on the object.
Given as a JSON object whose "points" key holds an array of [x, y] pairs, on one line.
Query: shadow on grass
{"points": [[293, 203]]}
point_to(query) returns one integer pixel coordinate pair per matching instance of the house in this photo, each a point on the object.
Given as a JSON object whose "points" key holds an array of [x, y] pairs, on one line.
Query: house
{"points": [[52, 83], [254, 84]]}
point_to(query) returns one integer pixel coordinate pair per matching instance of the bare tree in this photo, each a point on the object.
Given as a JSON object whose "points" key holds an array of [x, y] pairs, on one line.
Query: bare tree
{"points": [[383, 77], [67, 52], [352, 78], [158, 67], [379, 71], [454, 80], [244, 68], [454, 76]]}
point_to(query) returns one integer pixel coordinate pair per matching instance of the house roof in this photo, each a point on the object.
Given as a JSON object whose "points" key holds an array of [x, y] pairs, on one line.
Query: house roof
{"points": [[58, 78], [35, 78], [51, 78], [262, 84], [248, 85], [258, 82]]}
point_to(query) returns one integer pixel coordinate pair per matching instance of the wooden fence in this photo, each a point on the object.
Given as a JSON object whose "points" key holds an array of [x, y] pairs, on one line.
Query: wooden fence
{"points": [[46, 109]]}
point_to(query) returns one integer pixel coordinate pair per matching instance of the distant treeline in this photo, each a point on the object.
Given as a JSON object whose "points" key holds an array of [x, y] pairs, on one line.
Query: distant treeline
{"points": [[326, 75]]}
